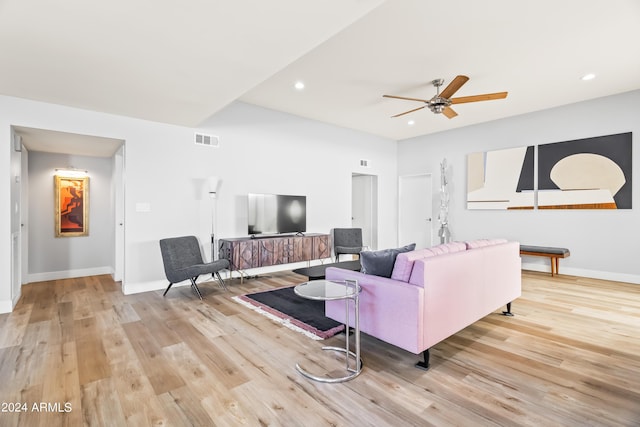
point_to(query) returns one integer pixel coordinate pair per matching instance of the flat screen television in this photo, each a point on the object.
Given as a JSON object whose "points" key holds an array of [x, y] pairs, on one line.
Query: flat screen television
{"points": [[276, 214]]}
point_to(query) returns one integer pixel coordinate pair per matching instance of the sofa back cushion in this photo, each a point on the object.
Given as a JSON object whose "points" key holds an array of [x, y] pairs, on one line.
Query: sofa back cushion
{"points": [[380, 263], [480, 243], [405, 261]]}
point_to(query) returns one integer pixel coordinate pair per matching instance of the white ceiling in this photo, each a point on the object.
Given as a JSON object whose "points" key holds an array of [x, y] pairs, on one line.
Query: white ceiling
{"points": [[181, 62]]}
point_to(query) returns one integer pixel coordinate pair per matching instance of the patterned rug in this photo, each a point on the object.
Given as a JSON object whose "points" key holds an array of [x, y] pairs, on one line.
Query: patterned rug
{"points": [[299, 314]]}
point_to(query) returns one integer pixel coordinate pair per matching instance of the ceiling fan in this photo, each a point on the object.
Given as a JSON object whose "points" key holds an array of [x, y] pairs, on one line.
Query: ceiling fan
{"points": [[441, 102]]}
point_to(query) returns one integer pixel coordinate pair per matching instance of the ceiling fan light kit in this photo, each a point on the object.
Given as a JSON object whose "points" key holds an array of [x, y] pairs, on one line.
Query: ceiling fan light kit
{"points": [[441, 102]]}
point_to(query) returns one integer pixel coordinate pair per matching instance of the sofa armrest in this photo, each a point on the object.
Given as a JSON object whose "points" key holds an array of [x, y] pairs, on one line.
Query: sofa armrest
{"points": [[390, 310]]}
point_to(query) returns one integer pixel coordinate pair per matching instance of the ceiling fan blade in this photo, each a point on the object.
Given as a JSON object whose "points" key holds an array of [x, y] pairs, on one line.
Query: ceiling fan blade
{"points": [[410, 111], [476, 98], [404, 97], [454, 86], [448, 111]]}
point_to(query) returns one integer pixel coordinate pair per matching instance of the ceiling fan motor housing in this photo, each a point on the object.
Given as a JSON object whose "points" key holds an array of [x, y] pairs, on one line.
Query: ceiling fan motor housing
{"points": [[438, 104]]}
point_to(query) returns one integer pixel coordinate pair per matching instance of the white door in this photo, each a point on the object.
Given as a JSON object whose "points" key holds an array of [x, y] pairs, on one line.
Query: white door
{"points": [[16, 218], [415, 210], [364, 207], [118, 183]]}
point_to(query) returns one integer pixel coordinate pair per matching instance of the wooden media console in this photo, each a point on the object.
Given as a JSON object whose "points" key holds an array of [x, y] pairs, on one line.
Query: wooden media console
{"points": [[244, 253]]}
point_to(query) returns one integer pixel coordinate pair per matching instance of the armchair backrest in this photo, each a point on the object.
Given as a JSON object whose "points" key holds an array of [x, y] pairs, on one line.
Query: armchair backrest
{"points": [[347, 237], [178, 253]]}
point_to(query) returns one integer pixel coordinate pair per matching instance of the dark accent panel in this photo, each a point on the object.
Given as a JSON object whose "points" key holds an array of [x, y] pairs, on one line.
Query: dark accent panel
{"points": [[615, 147], [525, 183]]}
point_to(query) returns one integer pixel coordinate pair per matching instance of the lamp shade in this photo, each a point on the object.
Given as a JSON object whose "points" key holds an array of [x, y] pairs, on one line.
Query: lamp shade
{"points": [[214, 183]]}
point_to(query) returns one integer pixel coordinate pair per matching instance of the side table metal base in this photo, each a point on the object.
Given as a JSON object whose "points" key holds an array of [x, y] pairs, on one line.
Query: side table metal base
{"points": [[348, 354], [326, 290]]}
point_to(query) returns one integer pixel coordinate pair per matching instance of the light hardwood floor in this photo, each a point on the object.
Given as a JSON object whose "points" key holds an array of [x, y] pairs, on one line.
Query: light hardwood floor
{"points": [[570, 357]]}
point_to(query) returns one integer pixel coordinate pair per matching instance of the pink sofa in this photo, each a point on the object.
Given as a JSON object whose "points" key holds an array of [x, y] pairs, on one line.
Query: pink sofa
{"points": [[433, 293]]}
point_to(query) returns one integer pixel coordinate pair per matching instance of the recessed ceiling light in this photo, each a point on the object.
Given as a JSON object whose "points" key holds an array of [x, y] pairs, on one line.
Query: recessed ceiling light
{"points": [[299, 85], [411, 123], [589, 76]]}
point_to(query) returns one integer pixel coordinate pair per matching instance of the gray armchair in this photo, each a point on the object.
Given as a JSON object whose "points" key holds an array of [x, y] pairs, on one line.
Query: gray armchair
{"points": [[182, 260], [346, 241]]}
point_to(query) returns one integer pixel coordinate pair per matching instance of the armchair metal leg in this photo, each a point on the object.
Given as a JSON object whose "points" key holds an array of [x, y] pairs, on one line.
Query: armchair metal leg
{"points": [[222, 284], [195, 287], [167, 290]]}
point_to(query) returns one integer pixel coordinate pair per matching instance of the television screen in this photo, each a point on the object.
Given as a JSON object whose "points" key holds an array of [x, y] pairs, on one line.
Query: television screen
{"points": [[274, 214]]}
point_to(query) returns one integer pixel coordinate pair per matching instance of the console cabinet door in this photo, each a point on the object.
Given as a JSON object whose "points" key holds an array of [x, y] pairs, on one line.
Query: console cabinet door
{"points": [[246, 255], [266, 249], [283, 251], [302, 249], [321, 247]]}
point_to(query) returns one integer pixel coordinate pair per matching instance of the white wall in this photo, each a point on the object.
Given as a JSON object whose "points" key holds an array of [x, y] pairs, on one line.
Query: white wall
{"points": [[264, 151], [260, 151], [53, 257], [603, 243]]}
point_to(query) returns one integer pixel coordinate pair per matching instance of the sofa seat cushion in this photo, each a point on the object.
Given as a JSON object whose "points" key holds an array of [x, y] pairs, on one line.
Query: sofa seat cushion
{"points": [[404, 261], [380, 263]]}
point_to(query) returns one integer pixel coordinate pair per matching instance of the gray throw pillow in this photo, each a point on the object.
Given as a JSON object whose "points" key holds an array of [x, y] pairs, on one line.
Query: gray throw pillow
{"points": [[380, 263]]}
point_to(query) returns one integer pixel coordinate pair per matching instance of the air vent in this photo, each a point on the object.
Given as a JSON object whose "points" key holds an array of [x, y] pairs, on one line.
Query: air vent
{"points": [[208, 140], [364, 163]]}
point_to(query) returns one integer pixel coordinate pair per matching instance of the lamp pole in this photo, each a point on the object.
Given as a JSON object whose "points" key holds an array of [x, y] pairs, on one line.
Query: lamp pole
{"points": [[214, 183]]}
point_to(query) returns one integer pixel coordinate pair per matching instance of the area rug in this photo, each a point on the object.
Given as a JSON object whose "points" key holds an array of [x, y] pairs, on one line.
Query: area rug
{"points": [[299, 314]]}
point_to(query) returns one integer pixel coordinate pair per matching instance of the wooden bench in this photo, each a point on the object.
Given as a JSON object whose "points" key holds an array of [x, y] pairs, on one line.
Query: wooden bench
{"points": [[546, 251]]}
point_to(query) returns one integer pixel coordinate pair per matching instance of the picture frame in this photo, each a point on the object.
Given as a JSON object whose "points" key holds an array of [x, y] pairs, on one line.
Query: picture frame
{"points": [[71, 206]]}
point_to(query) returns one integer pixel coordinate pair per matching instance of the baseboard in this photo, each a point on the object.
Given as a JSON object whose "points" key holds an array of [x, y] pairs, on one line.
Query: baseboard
{"points": [[6, 306], [68, 274], [581, 272], [155, 285]]}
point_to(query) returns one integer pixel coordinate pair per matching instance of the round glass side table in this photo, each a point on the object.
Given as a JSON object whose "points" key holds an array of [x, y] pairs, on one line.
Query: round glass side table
{"points": [[327, 290]]}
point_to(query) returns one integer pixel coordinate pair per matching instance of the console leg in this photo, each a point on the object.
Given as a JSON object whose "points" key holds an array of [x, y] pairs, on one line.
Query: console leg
{"points": [[508, 312], [424, 365]]}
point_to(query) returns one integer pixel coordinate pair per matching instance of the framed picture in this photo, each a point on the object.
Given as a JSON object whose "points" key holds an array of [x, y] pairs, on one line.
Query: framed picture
{"points": [[71, 206], [590, 173], [501, 179]]}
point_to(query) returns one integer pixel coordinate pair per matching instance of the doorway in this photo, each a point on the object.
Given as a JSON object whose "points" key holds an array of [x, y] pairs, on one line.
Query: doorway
{"points": [[54, 143], [364, 207], [415, 210]]}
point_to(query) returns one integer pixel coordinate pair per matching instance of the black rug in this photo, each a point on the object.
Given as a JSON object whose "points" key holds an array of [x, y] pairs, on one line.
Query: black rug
{"points": [[298, 313]]}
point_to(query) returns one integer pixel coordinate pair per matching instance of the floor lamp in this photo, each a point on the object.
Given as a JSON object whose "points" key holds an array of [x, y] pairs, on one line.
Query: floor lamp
{"points": [[214, 183]]}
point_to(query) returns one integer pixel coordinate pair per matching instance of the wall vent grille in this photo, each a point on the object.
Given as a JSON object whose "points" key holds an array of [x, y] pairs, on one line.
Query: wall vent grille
{"points": [[364, 163], [208, 140]]}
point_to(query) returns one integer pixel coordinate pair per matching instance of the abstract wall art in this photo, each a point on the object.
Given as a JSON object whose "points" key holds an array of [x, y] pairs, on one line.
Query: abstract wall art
{"points": [[591, 173], [501, 179], [71, 206]]}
